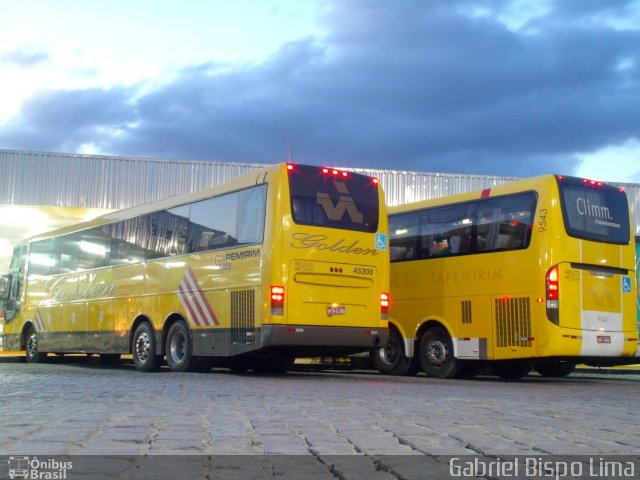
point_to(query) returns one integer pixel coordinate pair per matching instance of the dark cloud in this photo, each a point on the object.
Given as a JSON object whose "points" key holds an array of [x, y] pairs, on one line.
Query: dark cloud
{"points": [[65, 120], [410, 85]]}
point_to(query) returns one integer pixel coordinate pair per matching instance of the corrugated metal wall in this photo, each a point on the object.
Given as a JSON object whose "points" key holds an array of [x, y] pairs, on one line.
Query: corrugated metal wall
{"points": [[95, 181]]}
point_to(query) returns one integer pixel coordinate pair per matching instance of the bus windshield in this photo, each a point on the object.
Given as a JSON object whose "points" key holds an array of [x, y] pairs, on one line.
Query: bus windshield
{"points": [[594, 211], [331, 198]]}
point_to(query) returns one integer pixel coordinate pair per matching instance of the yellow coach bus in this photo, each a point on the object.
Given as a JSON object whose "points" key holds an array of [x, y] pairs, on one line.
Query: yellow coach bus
{"points": [[291, 260], [537, 272]]}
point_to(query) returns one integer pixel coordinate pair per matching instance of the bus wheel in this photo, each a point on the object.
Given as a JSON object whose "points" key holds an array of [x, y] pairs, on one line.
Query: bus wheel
{"points": [[391, 359], [436, 354], [554, 368], [511, 369], [32, 354], [178, 348], [143, 348]]}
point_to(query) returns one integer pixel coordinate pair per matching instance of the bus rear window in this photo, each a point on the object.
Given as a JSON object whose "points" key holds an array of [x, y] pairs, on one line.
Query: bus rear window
{"points": [[326, 197], [594, 211]]}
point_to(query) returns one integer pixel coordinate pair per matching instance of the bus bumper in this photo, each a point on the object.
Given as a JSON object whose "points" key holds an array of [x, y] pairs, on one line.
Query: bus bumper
{"points": [[343, 338]]}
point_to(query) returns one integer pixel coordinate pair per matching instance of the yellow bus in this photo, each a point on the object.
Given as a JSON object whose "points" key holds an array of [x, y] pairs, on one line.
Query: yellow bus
{"points": [[291, 260], [538, 272]]}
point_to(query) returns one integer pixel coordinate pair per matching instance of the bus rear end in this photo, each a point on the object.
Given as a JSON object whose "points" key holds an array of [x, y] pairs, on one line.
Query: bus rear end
{"points": [[329, 294], [590, 292]]}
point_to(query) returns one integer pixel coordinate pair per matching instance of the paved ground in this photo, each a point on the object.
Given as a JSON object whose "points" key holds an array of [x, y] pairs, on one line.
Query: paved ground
{"points": [[312, 424]]}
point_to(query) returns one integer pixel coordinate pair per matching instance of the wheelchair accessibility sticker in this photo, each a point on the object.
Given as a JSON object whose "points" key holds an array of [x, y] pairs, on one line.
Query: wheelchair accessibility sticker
{"points": [[626, 284], [381, 241]]}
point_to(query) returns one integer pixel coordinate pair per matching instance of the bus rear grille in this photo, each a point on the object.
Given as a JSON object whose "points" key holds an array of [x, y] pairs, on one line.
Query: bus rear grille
{"points": [[513, 322], [243, 316], [466, 311]]}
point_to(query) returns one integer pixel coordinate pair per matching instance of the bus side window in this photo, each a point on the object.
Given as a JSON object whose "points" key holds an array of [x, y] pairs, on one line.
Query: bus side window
{"points": [[251, 211], [505, 223], [403, 233], [41, 261], [446, 231]]}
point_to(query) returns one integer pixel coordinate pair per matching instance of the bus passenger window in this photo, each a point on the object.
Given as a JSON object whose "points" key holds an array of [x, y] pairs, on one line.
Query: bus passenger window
{"points": [[505, 223], [403, 233]]}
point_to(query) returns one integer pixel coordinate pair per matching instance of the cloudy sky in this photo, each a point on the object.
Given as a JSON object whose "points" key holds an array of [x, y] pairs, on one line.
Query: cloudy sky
{"points": [[515, 88]]}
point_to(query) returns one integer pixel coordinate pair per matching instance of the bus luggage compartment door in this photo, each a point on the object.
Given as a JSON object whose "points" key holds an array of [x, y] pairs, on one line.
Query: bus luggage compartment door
{"points": [[334, 294]]}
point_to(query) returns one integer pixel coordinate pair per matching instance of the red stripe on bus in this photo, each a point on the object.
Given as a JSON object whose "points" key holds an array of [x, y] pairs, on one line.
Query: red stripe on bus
{"points": [[195, 299], [211, 316], [185, 299], [485, 193]]}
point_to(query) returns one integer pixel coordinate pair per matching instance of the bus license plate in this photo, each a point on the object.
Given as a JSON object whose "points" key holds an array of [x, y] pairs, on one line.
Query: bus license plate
{"points": [[336, 311], [604, 339]]}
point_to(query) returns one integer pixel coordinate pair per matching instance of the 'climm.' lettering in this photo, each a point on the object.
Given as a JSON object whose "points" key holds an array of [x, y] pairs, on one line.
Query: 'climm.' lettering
{"points": [[322, 242]]}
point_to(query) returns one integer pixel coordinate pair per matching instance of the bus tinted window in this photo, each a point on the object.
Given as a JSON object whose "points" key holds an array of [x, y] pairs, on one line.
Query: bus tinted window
{"points": [[228, 220], [447, 231], [505, 223], [487, 225], [403, 231], [333, 200], [594, 211]]}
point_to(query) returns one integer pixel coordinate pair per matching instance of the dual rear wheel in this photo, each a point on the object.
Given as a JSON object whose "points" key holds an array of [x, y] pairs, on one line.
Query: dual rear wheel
{"points": [[178, 348], [435, 356]]}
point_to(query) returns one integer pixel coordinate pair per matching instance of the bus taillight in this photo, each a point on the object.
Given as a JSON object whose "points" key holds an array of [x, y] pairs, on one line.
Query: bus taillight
{"points": [[553, 294], [384, 305], [335, 172], [592, 183], [277, 300]]}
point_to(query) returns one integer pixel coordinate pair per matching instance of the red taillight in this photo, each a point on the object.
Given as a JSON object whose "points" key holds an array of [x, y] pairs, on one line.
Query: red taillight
{"points": [[553, 294], [335, 172], [592, 183], [277, 300], [553, 284], [384, 305], [290, 167]]}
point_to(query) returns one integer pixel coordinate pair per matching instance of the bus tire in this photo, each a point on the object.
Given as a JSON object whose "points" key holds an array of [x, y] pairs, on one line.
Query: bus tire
{"points": [[554, 368], [178, 348], [511, 369], [435, 353], [32, 352], [391, 359], [143, 348]]}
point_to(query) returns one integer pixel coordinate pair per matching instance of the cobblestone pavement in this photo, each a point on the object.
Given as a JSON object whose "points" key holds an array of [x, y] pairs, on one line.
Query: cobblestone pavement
{"points": [[335, 424]]}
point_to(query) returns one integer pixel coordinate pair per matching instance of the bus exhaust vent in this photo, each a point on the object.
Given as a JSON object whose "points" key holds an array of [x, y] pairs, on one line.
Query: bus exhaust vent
{"points": [[466, 311], [243, 316], [513, 322]]}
